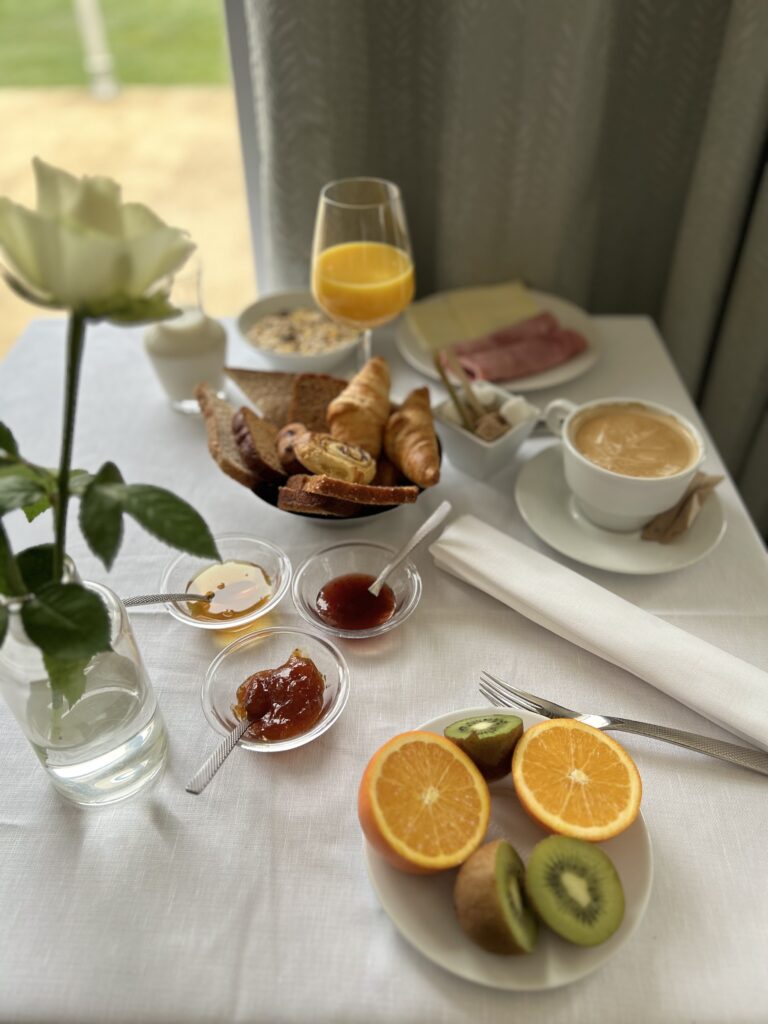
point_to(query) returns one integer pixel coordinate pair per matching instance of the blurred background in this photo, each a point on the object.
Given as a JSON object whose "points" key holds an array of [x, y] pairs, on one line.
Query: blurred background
{"points": [[138, 90]]}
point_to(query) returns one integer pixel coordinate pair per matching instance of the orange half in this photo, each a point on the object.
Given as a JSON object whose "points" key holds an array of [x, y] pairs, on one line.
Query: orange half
{"points": [[422, 803], [575, 780]]}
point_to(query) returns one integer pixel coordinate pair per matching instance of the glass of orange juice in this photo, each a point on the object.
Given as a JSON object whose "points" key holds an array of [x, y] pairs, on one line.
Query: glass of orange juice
{"points": [[362, 268]]}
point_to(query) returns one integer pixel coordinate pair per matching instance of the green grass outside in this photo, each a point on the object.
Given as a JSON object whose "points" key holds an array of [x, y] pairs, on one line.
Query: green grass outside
{"points": [[163, 42]]}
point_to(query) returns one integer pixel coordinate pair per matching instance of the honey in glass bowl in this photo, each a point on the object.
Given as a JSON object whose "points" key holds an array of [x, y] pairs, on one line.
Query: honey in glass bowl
{"points": [[233, 589]]}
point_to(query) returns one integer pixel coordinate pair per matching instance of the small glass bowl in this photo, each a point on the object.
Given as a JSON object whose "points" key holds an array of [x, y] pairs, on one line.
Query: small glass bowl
{"points": [[269, 648], [180, 573], [354, 557]]}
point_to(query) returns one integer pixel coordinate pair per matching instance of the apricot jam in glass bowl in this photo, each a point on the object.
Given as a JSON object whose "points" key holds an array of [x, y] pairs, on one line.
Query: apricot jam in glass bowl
{"points": [[269, 649]]}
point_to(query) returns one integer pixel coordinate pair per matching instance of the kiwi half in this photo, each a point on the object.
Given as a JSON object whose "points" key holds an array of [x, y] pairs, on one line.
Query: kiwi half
{"points": [[489, 900], [574, 888], [488, 740]]}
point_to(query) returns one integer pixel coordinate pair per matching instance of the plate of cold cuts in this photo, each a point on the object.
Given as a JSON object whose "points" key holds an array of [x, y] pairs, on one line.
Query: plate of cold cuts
{"points": [[546, 342]]}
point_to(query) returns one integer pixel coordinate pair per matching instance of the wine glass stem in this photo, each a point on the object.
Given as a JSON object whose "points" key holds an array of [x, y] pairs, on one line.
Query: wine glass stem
{"points": [[366, 350]]}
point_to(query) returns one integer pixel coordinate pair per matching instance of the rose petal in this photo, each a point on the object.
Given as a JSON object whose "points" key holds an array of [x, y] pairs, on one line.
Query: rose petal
{"points": [[157, 255], [90, 271], [57, 191], [138, 220], [22, 237], [98, 207]]}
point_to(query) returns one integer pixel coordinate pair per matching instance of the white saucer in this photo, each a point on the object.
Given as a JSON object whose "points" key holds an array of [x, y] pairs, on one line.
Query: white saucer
{"points": [[421, 906], [549, 509], [569, 315]]}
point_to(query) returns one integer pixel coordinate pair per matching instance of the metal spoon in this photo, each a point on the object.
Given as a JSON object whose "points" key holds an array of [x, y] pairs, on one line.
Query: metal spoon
{"points": [[206, 771], [426, 527], [134, 602]]}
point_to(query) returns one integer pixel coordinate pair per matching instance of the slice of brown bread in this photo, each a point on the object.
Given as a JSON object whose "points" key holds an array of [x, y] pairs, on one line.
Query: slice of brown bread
{"points": [[270, 392], [293, 498], [361, 494], [256, 439], [311, 395], [217, 416]]}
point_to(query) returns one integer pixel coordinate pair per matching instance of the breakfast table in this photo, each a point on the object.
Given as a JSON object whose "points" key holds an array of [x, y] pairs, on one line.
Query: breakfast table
{"points": [[251, 902]]}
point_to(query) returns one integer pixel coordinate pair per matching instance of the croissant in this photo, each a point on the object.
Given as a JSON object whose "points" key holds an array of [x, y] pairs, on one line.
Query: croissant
{"points": [[410, 441], [359, 413]]}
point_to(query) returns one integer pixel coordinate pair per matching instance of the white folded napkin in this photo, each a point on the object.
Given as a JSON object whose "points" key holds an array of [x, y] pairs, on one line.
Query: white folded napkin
{"points": [[718, 685]]}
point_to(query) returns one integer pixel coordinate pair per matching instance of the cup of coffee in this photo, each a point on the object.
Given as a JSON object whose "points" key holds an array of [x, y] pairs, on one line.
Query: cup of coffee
{"points": [[625, 460]]}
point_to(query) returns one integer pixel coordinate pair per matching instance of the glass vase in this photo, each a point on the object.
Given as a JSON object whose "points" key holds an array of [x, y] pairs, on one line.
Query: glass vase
{"points": [[111, 742]]}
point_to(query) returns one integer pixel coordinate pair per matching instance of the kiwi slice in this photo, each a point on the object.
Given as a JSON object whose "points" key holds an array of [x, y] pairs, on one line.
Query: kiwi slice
{"points": [[489, 901], [574, 888], [488, 741]]}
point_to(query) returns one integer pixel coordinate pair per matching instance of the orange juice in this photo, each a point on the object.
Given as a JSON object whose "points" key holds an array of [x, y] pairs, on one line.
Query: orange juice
{"points": [[363, 283]]}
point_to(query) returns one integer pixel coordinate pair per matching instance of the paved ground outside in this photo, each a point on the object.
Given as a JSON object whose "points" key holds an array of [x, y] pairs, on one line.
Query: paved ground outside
{"points": [[175, 148]]}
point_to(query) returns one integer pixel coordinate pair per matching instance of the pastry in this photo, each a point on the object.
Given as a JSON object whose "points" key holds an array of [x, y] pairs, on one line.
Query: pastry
{"points": [[256, 440], [410, 441], [217, 415], [285, 438], [359, 413], [310, 396], [362, 494], [321, 453]]}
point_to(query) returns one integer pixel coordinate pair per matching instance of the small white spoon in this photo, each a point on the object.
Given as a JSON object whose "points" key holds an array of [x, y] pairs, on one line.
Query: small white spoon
{"points": [[426, 527]]}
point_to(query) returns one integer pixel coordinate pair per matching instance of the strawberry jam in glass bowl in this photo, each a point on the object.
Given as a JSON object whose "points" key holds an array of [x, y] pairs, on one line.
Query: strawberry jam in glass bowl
{"points": [[350, 562]]}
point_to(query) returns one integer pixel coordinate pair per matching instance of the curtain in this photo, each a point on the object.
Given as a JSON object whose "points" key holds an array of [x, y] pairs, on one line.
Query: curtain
{"points": [[609, 151]]}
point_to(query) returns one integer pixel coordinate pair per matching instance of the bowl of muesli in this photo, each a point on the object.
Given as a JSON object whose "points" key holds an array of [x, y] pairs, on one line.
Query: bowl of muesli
{"points": [[292, 334]]}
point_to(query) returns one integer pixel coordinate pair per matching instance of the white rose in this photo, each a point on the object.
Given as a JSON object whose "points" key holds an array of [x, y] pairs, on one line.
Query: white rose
{"points": [[85, 250]]}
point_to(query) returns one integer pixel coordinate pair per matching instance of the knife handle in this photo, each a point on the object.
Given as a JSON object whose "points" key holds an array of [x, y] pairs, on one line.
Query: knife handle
{"points": [[745, 757]]}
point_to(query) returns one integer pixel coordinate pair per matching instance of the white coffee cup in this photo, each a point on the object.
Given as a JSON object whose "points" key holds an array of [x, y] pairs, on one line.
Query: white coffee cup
{"points": [[612, 500]]}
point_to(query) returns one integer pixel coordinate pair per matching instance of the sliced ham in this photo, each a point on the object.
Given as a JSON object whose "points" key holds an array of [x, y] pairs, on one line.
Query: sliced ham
{"points": [[542, 323], [521, 350]]}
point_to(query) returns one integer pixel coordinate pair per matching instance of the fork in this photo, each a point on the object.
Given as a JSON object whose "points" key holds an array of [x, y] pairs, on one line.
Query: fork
{"points": [[504, 695]]}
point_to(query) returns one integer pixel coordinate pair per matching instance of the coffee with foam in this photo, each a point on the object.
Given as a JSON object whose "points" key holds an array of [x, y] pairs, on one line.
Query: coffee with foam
{"points": [[634, 440]]}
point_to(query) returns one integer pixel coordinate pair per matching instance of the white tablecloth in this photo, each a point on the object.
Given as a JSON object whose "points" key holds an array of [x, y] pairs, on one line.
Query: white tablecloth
{"points": [[251, 902]]}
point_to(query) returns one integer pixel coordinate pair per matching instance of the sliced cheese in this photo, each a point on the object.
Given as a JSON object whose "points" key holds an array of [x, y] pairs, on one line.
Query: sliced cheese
{"points": [[433, 323], [469, 313]]}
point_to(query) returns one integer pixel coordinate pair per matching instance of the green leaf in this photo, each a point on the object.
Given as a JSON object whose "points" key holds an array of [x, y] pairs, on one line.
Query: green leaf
{"points": [[68, 677], [79, 480], [36, 566], [101, 514], [130, 309], [3, 623], [19, 486], [8, 441], [66, 621], [168, 518], [36, 508], [11, 582]]}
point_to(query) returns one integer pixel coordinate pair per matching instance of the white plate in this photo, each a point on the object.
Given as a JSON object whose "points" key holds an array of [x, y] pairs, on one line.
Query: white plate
{"points": [[548, 507], [421, 906], [567, 313]]}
